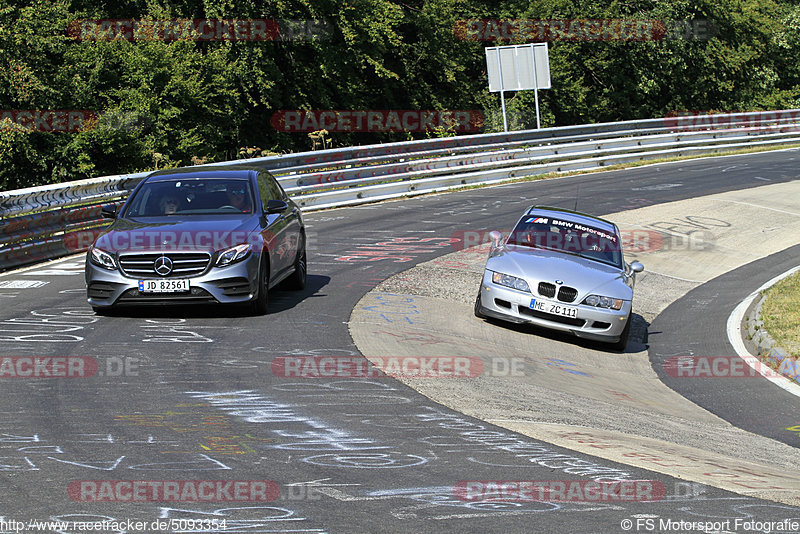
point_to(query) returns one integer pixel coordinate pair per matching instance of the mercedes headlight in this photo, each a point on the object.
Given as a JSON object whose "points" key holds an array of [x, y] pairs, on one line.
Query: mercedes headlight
{"points": [[103, 259], [510, 281], [232, 255]]}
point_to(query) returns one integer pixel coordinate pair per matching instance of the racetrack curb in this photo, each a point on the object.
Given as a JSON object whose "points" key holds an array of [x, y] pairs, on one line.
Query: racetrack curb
{"points": [[763, 345]]}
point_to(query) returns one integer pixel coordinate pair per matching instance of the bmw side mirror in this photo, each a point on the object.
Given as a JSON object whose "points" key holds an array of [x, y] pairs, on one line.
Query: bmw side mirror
{"points": [[275, 206], [637, 267], [496, 237], [108, 211]]}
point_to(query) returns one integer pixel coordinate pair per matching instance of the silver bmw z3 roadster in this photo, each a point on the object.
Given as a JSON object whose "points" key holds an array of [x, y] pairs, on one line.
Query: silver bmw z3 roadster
{"points": [[562, 270]]}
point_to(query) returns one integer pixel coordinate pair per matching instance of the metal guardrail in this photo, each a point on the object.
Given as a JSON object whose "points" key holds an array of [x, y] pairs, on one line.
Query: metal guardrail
{"points": [[49, 221]]}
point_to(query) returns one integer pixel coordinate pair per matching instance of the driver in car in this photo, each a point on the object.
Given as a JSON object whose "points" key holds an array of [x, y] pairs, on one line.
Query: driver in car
{"points": [[168, 204], [238, 198]]}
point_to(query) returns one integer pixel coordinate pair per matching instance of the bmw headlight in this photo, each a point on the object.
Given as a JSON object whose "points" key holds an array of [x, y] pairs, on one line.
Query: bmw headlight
{"points": [[510, 281], [603, 302], [232, 255], [103, 259]]}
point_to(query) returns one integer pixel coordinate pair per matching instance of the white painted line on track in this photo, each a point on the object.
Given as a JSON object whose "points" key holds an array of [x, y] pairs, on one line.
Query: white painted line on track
{"points": [[759, 206], [734, 329], [42, 265]]}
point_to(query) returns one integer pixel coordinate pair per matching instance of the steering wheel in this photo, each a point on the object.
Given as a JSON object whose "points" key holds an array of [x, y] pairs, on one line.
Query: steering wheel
{"points": [[228, 207]]}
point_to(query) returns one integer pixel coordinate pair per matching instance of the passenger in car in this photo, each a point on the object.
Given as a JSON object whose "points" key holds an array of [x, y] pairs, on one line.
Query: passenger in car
{"points": [[168, 204]]}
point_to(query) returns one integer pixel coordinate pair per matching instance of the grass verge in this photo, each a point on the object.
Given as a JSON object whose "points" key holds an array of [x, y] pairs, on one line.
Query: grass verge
{"points": [[781, 313]]}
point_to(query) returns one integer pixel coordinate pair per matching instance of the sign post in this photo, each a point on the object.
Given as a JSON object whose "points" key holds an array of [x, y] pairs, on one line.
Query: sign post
{"points": [[518, 68]]}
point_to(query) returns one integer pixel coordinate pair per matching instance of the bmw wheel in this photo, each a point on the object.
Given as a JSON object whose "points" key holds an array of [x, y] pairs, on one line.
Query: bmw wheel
{"points": [[623, 337], [479, 307]]}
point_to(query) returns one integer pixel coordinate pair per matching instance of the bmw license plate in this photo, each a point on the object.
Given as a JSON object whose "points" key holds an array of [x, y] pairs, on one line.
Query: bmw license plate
{"points": [[553, 308], [164, 286]]}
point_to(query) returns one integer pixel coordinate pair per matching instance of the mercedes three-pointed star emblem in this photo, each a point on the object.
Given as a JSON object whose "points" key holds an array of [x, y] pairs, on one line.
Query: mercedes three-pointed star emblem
{"points": [[163, 266]]}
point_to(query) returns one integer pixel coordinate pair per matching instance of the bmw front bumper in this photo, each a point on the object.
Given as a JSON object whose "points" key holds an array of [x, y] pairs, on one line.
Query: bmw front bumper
{"points": [[601, 324], [231, 284]]}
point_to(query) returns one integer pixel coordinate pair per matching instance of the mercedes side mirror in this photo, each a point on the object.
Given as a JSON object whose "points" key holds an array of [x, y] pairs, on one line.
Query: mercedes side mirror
{"points": [[275, 206], [108, 211]]}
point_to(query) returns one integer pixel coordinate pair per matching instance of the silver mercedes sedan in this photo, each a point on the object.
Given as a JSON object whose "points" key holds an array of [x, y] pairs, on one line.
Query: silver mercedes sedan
{"points": [[562, 270], [198, 235]]}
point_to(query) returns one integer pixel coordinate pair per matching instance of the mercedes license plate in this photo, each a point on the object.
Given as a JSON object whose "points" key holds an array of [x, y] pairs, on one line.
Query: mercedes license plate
{"points": [[164, 286]]}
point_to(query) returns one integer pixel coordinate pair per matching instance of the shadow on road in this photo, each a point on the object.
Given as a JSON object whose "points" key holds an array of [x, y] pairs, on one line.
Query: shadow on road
{"points": [[279, 300]]}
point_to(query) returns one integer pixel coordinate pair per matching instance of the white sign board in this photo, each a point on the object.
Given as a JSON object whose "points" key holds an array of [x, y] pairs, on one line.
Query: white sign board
{"points": [[518, 67]]}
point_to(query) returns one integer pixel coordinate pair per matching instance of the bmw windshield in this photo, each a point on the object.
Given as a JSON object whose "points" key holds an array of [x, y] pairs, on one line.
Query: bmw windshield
{"points": [[165, 198], [569, 237]]}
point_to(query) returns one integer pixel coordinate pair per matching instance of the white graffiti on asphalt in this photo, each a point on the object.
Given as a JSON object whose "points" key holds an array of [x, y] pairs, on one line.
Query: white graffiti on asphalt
{"points": [[350, 451]]}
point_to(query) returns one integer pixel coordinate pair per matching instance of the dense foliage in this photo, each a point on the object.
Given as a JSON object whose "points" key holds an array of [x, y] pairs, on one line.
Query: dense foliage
{"points": [[166, 103]]}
